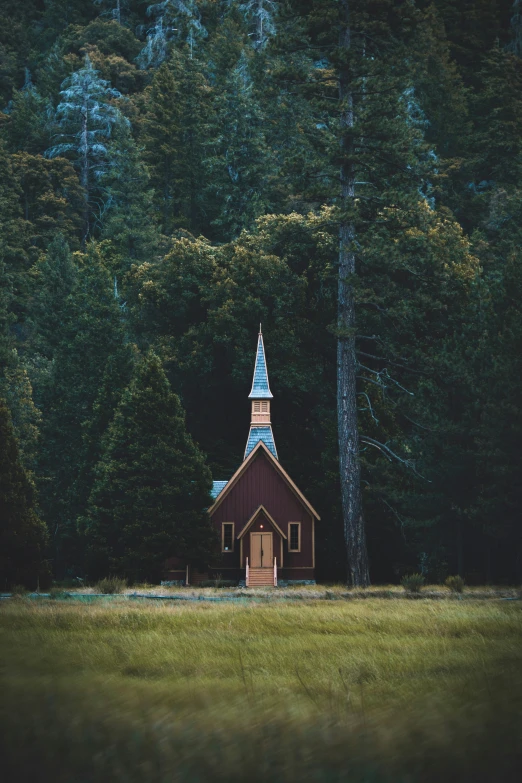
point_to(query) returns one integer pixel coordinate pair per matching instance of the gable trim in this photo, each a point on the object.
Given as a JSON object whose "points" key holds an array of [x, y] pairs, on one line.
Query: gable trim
{"points": [[239, 472], [261, 510]]}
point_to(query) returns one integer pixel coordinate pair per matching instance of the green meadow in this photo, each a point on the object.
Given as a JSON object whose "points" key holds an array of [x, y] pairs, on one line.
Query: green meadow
{"points": [[375, 690]]}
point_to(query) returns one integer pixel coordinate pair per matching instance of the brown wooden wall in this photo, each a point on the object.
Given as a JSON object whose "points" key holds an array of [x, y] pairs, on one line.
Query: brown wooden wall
{"points": [[262, 485]]}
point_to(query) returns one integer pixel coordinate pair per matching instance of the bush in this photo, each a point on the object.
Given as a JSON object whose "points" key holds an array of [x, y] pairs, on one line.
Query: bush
{"points": [[19, 590], [455, 584], [412, 583], [111, 585], [58, 594]]}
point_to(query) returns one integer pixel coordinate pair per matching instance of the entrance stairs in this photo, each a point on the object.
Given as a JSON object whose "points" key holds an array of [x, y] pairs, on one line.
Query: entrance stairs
{"points": [[261, 577]]}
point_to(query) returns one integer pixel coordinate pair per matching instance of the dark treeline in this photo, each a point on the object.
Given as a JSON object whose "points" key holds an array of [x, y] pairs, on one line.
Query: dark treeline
{"points": [[172, 174]]}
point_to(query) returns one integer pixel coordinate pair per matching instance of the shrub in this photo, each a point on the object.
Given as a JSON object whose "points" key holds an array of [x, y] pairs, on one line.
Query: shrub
{"points": [[455, 584], [111, 585], [412, 583], [19, 590], [58, 593]]}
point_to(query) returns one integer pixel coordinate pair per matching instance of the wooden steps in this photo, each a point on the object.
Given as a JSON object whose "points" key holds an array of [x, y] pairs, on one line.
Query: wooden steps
{"points": [[261, 577]]}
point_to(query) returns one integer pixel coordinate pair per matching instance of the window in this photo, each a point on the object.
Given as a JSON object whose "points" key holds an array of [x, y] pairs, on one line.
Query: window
{"points": [[294, 540], [227, 537], [264, 407], [257, 407]]}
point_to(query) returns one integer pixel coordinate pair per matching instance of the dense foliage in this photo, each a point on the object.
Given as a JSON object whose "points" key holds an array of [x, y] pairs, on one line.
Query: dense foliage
{"points": [[22, 533], [169, 177]]}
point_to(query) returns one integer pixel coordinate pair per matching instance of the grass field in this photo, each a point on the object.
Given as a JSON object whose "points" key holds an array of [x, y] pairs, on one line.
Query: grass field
{"points": [[312, 690]]}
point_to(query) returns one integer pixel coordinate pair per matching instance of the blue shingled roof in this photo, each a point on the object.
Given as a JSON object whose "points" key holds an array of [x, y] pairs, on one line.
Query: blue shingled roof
{"points": [[260, 387], [217, 487], [263, 433]]}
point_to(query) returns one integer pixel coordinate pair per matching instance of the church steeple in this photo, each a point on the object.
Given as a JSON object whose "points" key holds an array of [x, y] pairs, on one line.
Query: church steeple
{"points": [[260, 387], [260, 424]]}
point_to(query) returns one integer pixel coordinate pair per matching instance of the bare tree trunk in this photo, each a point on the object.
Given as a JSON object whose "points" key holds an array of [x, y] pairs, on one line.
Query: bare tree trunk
{"points": [[118, 12], [259, 24], [84, 176], [348, 432]]}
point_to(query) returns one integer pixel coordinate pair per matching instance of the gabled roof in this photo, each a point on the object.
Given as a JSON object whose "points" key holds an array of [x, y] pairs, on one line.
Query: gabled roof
{"points": [[217, 487], [263, 433], [260, 387], [257, 512], [244, 465]]}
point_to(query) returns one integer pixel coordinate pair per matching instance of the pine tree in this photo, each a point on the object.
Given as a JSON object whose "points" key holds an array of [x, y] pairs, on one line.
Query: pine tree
{"points": [[175, 140], [90, 334], [261, 15], [14, 260], [16, 389], [51, 198], [86, 118], [55, 276], [114, 9], [162, 131], [495, 332], [175, 20], [128, 220], [515, 45], [28, 129], [240, 165], [22, 534], [498, 114], [377, 143], [152, 485]]}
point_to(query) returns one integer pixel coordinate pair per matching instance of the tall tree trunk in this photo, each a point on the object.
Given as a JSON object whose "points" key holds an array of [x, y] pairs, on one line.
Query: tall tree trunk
{"points": [[84, 176], [348, 432], [259, 24]]}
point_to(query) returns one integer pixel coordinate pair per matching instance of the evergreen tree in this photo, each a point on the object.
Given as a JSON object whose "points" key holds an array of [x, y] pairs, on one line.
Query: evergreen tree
{"points": [[28, 129], [116, 377], [174, 137], [515, 45], [86, 118], [51, 198], [14, 260], [114, 9], [128, 220], [498, 114], [174, 20], [494, 330], [90, 334], [22, 533], [55, 277], [16, 389], [241, 166], [261, 16], [152, 485]]}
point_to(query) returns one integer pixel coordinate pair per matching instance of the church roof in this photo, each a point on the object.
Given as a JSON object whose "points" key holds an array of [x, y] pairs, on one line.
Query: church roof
{"points": [[261, 433], [217, 486], [261, 448], [260, 387]]}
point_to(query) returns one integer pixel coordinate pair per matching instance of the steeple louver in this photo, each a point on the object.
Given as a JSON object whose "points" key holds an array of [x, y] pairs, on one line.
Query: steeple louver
{"points": [[260, 424]]}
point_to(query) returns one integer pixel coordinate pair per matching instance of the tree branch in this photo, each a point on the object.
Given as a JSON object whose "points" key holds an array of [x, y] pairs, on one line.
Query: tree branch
{"points": [[391, 455]]}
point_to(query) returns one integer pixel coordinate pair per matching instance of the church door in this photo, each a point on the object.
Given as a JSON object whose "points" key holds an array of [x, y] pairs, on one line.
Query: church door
{"points": [[261, 550]]}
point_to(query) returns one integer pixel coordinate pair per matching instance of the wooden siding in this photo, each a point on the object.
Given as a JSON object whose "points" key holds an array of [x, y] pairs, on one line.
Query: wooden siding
{"points": [[262, 485]]}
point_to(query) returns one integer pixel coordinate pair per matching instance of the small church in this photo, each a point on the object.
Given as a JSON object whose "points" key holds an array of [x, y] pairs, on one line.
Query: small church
{"points": [[265, 524]]}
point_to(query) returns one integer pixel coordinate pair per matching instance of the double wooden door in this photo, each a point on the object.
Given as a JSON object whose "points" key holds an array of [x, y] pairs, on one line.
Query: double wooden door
{"points": [[261, 550]]}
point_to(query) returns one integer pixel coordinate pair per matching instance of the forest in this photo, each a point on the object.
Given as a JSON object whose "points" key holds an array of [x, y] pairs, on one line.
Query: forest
{"points": [[347, 173]]}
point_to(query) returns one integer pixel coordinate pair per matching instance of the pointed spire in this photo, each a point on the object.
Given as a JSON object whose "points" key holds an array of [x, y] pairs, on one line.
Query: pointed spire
{"points": [[260, 387]]}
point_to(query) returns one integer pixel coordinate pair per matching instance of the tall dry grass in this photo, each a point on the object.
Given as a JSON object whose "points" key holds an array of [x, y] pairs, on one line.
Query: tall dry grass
{"points": [[324, 691]]}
